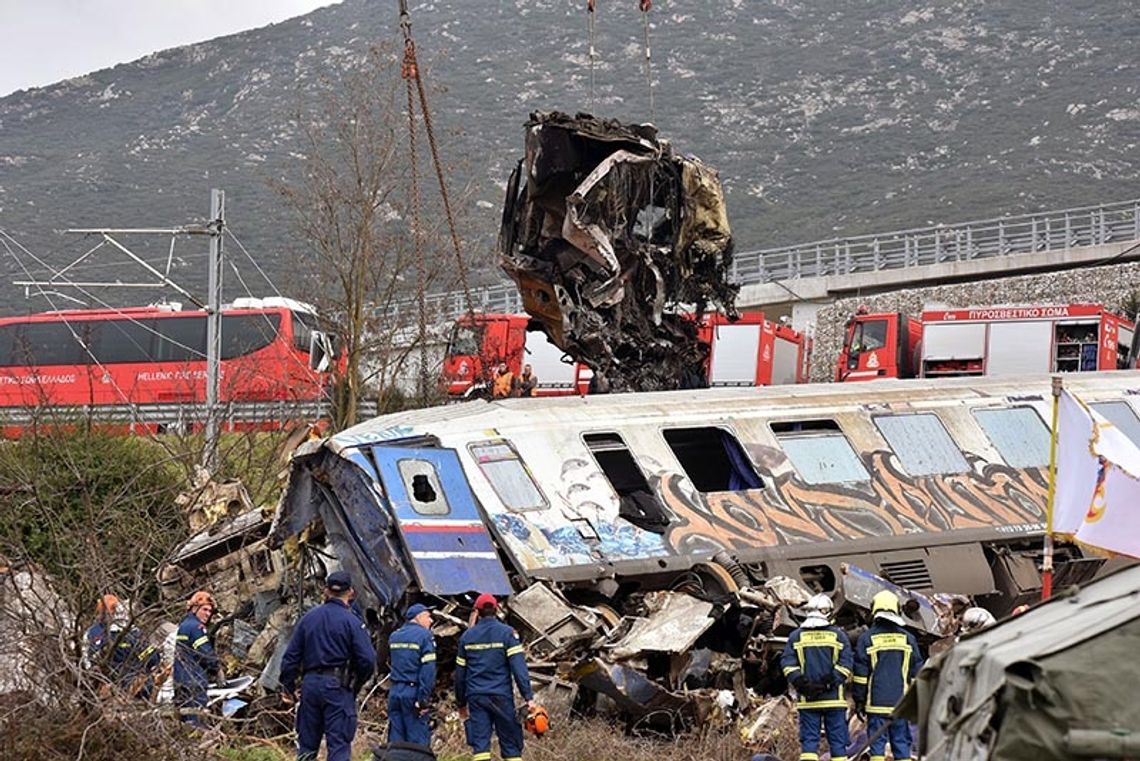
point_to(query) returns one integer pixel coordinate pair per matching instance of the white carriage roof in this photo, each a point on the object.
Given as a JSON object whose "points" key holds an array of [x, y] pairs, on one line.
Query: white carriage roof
{"points": [[717, 403]]}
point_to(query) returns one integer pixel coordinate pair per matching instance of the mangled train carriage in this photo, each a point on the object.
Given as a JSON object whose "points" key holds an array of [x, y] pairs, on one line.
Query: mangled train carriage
{"points": [[932, 486]]}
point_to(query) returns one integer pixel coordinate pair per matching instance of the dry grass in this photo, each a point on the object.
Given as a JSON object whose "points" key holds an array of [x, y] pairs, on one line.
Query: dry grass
{"points": [[596, 739]]}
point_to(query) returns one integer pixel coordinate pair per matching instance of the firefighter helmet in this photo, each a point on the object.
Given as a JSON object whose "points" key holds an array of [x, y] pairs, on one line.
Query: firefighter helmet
{"points": [[975, 619], [537, 721], [200, 598], [106, 605], [819, 605], [885, 605]]}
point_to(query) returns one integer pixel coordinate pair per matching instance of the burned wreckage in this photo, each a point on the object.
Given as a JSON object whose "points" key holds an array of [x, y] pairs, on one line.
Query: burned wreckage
{"points": [[610, 236], [654, 547]]}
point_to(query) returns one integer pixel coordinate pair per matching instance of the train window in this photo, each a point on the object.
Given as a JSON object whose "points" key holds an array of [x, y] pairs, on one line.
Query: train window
{"points": [[123, 341], [1018, 434], [1122, 416], [713, 459], [508, 475], [636, 501], [302, 331], [180, 339], [42, 343], [820, 452], [422, 485], [922, 444], [246, 333]]}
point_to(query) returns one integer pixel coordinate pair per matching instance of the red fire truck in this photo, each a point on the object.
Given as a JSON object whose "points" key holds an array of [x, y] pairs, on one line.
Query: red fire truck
{"points": [[752, 351], [271, 351], [1003, 340]]}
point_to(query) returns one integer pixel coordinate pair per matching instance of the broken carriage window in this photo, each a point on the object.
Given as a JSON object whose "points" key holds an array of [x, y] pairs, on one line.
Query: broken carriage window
{"points": [[508, 475], [820, 452], [422, 485], [1122, 416], [1018, 434], [713, 459], [921, 443], [637, 502]]}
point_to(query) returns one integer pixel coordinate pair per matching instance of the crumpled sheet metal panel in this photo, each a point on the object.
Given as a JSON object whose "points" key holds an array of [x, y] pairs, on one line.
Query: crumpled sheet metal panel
{"points": [[608, 232], [672, 629], [860, 586], [347, 500], [630, 689]]}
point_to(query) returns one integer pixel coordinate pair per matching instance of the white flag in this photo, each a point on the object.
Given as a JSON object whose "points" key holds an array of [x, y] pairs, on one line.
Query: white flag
{"points": [[1097, 500], [1077, 466]]}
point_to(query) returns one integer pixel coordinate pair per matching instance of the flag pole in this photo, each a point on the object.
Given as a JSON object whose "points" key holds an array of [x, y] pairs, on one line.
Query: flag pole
{"points": [[1047, 562]]}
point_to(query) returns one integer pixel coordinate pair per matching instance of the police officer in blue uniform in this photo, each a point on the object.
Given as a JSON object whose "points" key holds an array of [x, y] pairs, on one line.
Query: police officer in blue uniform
{"points": [[817, 662], [332, 650], [887, 659], [195, 660], [489, 656], [412, 653]]}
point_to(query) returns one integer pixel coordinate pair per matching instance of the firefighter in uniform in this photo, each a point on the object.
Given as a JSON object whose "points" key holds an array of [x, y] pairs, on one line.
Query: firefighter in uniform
{"points": [[411, 649], [489, 656], [817, 662], [886, 661], [195, 660], [132, 662], [332, 650]]}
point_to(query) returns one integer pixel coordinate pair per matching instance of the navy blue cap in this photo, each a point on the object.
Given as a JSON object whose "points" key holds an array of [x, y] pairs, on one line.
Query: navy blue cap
{"points": [[339, 581], [414, 610]]}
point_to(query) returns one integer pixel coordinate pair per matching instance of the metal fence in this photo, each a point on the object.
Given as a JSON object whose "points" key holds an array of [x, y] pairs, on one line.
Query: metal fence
{"points": [[177, 416], [1003, 236], [1025, 234]]}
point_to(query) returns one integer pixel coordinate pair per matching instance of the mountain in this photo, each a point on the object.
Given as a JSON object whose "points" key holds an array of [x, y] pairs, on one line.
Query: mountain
{"points": [[825, 117]]}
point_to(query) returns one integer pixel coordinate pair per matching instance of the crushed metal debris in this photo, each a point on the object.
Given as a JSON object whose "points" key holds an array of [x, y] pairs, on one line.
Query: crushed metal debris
{"points": [[610, 234]]}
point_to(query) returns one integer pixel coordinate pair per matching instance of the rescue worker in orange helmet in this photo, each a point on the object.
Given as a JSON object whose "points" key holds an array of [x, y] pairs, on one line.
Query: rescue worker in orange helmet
{"points": [[129, 656], [195, 660]]}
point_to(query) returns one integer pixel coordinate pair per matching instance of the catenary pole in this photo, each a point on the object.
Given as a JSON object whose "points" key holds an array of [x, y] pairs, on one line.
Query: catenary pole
{"points": [[1047, 561], [214, 329]]}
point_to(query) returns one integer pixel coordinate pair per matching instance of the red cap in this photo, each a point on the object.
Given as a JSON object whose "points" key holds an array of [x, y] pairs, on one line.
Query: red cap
{"points": [[486, 600]]}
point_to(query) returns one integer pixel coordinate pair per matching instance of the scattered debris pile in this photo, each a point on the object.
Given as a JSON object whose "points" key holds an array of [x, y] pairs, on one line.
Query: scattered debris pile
{"points": [[33, 620], [609, 234], [703, 651]]}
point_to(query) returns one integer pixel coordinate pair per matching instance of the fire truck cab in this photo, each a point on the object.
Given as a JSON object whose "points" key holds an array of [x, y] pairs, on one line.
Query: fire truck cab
{"points": [[1004, 340], [751, 351]]}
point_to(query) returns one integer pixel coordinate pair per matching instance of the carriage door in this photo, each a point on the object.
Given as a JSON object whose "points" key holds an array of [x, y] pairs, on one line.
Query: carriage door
{"points": [[448, 545]]}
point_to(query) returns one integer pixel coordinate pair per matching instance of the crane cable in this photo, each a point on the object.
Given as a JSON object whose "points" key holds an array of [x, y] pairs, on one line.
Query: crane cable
{"points": [[410, 71], [645, 5], [590, 10]]}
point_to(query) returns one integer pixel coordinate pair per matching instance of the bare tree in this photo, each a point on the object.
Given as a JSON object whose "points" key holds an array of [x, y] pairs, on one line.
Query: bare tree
{"points": [[354, 212]]}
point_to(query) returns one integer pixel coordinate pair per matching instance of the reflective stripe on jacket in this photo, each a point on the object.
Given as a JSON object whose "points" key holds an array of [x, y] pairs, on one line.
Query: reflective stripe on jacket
{"points": [[194, 658], [411, 650], [886, 661], [822, 655], [490, 654]]}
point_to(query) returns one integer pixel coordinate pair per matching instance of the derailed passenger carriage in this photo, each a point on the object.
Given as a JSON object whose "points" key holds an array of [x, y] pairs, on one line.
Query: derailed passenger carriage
{"points": [[934, 486]]}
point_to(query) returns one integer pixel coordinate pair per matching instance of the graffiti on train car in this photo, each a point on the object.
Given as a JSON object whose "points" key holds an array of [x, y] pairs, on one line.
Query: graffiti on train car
{"points": [[788, 511], [891, 504]]}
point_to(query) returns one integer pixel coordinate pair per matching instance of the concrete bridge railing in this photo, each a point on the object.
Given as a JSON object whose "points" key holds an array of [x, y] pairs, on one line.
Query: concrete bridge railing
{"points": [[1042, 233]]}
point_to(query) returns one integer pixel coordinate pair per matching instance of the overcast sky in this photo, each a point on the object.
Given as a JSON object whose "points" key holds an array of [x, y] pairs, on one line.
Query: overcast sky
{"points": [[44, 41]]}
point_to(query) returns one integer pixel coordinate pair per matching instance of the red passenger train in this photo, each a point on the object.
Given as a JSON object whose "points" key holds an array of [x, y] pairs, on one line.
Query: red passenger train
{"points": [[271, 351]]}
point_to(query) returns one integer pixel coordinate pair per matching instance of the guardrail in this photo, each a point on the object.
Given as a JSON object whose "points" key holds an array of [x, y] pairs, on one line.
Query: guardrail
{"points": [[178, 416], [1004, 236], [967, 241]]}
